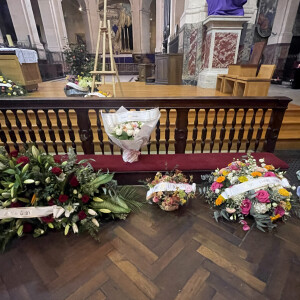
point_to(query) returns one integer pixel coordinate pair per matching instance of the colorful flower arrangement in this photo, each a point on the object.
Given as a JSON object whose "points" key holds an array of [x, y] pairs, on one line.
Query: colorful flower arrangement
{"points": [[39, 193], [9, 89], [127, 130], [253, 188], [171, 190]]}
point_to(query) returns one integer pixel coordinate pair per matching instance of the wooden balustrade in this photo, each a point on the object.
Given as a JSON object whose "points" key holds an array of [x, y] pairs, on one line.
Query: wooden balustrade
{"points": [[198, 124]]}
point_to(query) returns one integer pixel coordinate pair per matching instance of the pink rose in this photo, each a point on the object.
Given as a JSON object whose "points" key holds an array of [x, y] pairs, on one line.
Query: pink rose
{"points": [[279, 211], [245, 225], [155, 199], [246, 206], [262, 196], [258, 169], [188, 188], [216, 185], [233, 167], [270, 174]]}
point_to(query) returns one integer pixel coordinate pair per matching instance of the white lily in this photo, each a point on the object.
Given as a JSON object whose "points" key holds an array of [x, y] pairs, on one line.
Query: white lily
{"points": [[75, 228]]}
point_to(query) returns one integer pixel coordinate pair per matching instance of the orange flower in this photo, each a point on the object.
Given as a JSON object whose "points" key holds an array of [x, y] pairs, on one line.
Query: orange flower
{"points": [[220, 179], [33, 199], [269, 167], [283, 192], [275, 218], [219, 200], [256, 174]]}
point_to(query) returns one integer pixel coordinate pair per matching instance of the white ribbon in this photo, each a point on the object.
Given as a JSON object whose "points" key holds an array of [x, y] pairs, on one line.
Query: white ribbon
{"points": [[168, 186], [31, 212], [252, 185]]}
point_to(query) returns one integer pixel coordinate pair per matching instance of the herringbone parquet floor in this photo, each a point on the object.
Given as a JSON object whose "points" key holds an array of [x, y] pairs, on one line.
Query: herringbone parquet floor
{"points": [[157, 255]]}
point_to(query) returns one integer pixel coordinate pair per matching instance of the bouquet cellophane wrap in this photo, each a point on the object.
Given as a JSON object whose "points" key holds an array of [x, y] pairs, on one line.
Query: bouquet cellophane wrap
{"points": [[131, 147]]}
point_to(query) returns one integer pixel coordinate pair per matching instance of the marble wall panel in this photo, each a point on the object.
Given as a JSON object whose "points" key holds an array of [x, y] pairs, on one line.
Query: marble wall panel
{"points": [[193, 52], [206, 50], [224, 50]]}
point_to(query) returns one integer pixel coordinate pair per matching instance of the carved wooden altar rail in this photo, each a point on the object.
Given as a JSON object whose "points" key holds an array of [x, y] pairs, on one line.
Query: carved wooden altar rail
{"points": [[201, 124]]}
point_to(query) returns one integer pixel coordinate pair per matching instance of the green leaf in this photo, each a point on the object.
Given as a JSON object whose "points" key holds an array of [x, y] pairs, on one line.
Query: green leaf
{"points": [[10, 171]]}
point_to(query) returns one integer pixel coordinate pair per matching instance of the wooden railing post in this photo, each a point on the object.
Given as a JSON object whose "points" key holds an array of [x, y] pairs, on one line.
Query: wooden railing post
{"points": [[85, 131], [181, 130], [273, 129]]}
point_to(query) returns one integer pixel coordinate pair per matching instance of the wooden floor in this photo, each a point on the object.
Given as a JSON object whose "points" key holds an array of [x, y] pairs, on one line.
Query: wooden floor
{"points": [[157, 255]]}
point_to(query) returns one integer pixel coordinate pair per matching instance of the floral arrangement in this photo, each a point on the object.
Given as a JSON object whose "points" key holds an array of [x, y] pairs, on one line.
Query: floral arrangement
{"points": [[171, 190], [253, 188], [39, 193], [9, 88], [127, 130]]}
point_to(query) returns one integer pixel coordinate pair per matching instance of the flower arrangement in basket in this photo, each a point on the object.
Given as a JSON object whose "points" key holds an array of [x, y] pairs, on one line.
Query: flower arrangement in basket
{"points": [[170, 191], [9, 89], [250, 188], [39, 192]]}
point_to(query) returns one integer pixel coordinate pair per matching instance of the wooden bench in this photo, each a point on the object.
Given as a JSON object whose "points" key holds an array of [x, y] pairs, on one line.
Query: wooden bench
{"points": [[195, 134]]}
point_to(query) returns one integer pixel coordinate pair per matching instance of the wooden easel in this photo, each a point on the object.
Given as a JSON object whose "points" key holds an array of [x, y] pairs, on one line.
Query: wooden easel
{"points": [[103, 33]]}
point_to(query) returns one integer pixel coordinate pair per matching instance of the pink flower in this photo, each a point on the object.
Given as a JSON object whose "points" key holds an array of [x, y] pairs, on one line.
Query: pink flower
{"points": [[230, 210], [258, 169], [188, 188], [246, 206], [216, 185], [155, 199], [270, 174], [279, 211], [233, 167], [262, 196], [245, 225]]}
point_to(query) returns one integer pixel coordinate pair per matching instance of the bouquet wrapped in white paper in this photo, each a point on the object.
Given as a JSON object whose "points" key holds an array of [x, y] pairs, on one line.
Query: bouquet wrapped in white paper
{"points": [[130, 130]]}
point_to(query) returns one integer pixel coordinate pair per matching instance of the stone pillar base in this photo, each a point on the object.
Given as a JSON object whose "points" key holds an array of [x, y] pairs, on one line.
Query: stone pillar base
{"points": [[207, 78]]}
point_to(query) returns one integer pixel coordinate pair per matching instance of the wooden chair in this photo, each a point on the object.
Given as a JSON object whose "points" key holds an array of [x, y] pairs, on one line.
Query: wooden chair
{"points": [[232, 71], [247, 70], [255, 86]]}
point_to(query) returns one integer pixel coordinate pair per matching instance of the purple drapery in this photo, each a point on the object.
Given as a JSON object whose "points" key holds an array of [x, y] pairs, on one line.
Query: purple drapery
{"points": [[226, 7]]}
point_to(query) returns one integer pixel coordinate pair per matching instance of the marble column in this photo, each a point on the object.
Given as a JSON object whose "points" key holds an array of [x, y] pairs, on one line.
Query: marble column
{"points": [[136, 27], [159, 25], [24, 23], [54, 24], [190, 39], [91, 19], [145, 30], [277, 49], [221, 46]]}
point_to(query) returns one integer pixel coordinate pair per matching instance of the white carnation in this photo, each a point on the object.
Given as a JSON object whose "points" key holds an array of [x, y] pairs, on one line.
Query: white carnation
{"points": [[129, 132], [118, 131], [128, 126], [261, 208]]}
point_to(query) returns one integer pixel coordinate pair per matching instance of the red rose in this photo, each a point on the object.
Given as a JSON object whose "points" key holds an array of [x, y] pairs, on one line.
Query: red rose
{"points": [[81, 215], [85, 199], [51, 202], [73, 181], [14, 153], [57, 160], [23, 160], [27, 228], [48, 219], [56, 171], [63, 198]]}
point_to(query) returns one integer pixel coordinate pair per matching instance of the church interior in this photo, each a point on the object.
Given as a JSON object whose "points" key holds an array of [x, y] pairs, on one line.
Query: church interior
{"points": [[109, 106]]}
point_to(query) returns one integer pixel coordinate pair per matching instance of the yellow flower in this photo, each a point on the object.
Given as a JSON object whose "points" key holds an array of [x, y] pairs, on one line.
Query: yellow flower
{"points": [[4, 81], [283, 192], [10, 88], [219, 200], [288, 205], [269, 167], [225, 172], [256, 174], [183, 201], [220, 179], [243, 179], [8, 94], [275, 218]]}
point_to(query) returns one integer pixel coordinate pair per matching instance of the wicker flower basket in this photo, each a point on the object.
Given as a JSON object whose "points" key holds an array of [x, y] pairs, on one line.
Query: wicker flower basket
{"points": [[169, 208]]}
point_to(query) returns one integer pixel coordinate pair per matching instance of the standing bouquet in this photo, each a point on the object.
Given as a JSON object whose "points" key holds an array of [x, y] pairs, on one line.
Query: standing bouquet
{"points": [[171, 190], [130, 130], [246, 188]]}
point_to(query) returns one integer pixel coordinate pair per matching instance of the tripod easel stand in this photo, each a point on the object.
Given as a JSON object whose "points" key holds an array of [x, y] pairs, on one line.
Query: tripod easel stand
{"points": [[104, 33]]}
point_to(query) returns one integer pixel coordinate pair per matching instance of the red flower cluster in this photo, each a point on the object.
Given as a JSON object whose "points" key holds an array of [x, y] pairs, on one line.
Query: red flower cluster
{"points": [[63, 198], [23, 160], [48, 219], [56, 171], [82, 215], [16, 204], [73, 181], [85, 199], [51, 202], [14, 153]]}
